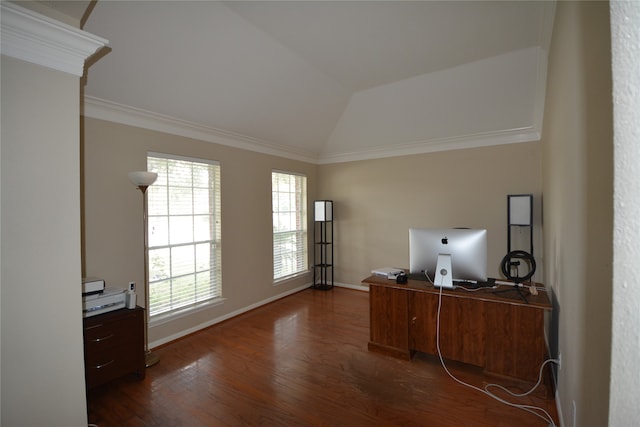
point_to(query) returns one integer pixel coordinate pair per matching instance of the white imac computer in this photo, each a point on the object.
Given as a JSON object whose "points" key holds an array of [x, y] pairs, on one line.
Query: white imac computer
{"points": [[449, 254]]}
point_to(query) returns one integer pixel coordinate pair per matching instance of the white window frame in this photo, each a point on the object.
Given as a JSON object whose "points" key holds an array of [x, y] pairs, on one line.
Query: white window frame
{"points": [[289, 220], [165, 211]]}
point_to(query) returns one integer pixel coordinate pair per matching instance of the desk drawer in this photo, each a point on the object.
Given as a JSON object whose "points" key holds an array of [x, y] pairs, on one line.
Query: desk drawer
{"points": [[113, 345], [117, 362], [118, 333]]}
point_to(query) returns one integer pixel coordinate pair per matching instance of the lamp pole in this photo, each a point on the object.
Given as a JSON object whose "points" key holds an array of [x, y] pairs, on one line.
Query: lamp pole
{"points": [[143, 180]]}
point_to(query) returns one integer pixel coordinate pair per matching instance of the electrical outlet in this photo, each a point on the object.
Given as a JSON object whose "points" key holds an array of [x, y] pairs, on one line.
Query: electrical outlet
{"points": [[559, 361], [132, 286]]}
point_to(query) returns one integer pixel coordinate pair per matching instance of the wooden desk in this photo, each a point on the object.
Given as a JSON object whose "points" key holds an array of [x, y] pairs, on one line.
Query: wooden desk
{"points": [[498, 332]]}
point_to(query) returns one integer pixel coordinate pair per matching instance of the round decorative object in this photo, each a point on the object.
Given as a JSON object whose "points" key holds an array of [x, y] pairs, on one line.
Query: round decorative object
{"points": [[508, 262]]}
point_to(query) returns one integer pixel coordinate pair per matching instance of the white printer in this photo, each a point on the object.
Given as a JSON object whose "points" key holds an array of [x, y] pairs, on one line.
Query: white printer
{"points": [[96, 299], [92, 285]]}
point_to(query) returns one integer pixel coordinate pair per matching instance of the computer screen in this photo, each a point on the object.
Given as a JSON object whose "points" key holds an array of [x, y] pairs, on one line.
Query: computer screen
{"points": [[467, 249]]}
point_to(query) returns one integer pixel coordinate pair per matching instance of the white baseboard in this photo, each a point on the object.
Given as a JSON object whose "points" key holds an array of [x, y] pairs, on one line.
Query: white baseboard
{"points": [[349, 286], [226, 317], [244, 310], [559, 409]]}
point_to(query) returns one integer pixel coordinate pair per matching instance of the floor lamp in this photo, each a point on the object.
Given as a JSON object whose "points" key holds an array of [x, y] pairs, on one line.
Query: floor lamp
{"points": [[142, 180]]}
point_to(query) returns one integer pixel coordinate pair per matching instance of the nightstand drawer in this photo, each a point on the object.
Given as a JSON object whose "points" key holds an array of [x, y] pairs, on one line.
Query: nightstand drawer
{"points": [[113, 345]]}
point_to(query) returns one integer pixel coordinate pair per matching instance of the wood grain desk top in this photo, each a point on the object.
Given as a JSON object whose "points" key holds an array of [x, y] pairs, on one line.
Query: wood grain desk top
{"points": [[541, 300]]}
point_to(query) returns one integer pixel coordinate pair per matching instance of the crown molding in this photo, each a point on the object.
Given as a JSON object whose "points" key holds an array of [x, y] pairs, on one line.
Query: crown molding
{"points": [[110, 111], [476, 140], [35, 38], [541, 89]]}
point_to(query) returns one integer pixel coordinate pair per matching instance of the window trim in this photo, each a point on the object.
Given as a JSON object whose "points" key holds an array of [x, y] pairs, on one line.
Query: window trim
{"points": [[169, 316], [170, 156]]}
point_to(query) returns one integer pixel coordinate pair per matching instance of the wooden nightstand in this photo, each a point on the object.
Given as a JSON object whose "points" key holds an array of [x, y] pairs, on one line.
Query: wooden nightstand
{"points": [[113, 345]]}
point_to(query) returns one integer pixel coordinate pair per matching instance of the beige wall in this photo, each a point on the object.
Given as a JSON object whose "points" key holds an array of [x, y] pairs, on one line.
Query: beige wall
{"points": [[40, 217], [42, 353], [377, 201], [113, 236], [578, 208]]}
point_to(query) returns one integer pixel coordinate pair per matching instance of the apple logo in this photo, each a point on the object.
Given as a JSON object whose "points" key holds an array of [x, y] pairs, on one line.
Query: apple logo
{"points": [[445, 241]]}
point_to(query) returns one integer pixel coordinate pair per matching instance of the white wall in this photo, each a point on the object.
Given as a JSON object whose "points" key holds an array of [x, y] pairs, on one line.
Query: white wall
{"points": [[42, 353], [625, 348]]}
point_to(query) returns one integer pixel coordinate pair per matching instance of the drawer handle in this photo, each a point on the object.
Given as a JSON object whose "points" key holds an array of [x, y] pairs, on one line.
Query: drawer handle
{"points": [[94, 326], [104, 364], [102, 338]]}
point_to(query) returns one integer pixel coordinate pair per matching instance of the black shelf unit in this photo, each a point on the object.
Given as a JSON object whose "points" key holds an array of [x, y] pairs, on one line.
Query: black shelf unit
{"points": [[323, 245]]}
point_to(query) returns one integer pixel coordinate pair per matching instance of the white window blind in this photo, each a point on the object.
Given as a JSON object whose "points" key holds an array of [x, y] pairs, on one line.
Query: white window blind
{"points": [[184, 233], [289, 206]]}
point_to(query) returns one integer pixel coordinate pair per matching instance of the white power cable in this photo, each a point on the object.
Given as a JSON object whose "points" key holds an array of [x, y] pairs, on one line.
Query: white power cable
{"points": [[529, 408]]}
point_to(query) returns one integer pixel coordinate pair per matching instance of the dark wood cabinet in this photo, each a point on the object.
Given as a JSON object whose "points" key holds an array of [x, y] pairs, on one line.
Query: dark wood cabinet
{"points": [[461, 327], [388, 316], [113, 345], [517, 331], [422, 334], [503, 335]]}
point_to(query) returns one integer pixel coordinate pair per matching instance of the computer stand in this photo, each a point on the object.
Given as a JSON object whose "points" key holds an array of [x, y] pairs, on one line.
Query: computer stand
{"points": [[518, 289]]}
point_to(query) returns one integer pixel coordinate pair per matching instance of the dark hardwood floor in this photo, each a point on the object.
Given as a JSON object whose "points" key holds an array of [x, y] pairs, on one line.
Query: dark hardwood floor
{"points": [[302, 361]]}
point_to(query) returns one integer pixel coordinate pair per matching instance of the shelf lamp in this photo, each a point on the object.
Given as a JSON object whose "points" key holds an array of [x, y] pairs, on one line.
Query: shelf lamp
{"points": [[520, 214], [143, 180], [323, 244], [323, 210]]}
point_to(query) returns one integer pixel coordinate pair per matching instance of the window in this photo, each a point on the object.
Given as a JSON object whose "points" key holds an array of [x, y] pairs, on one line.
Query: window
{"points": [[289, 204], [184, 233]]}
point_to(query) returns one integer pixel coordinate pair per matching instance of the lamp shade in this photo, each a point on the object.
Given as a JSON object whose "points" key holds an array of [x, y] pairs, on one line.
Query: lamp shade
{"points": [[323, 210], [142, 178], [520, 209]]}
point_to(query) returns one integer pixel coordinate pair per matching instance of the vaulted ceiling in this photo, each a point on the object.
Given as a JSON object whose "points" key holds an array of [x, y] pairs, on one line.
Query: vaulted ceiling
{"points": [[325, 81]]}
